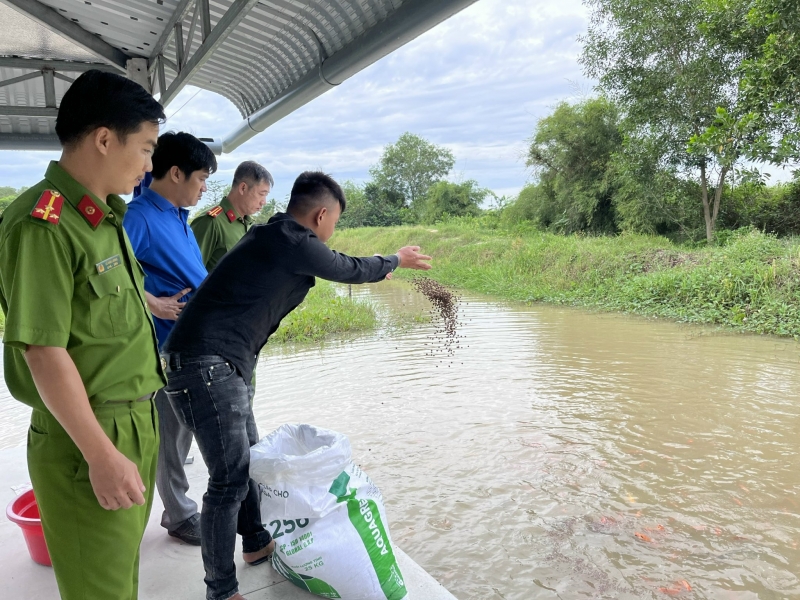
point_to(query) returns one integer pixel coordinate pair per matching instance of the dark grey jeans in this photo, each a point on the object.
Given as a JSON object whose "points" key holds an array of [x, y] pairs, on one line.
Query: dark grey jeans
{"points": [[211, 398]]}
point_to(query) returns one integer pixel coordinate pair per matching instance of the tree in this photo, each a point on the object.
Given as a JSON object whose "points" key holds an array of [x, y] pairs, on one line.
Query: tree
{"points": [[410, 166], [677, 83], [767, 34], [570, 153], [453, 199], [370, 206]]}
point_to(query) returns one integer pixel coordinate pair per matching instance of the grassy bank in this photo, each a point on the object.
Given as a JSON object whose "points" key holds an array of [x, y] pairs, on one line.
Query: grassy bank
{"points": [[323, 314], [752, 283]]}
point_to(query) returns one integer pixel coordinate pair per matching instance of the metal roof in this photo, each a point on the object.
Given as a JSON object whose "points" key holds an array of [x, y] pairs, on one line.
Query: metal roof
{"points": [[268, 57]]}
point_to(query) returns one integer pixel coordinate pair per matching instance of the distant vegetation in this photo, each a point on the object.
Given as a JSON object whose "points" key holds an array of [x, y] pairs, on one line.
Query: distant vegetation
{"points": [[749, 281], [8, 195]]}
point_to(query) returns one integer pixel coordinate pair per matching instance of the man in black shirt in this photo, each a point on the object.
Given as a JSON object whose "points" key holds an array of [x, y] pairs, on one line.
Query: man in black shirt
{"points": [[212, 350]]}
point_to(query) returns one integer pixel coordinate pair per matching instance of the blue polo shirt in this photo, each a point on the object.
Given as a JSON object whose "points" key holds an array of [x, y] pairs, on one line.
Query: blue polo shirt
{"points": [[165, 246]]}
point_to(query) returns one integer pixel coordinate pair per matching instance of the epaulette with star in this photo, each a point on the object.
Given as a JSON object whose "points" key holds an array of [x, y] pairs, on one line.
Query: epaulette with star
{"points": [[48, 208], [214, 212]]}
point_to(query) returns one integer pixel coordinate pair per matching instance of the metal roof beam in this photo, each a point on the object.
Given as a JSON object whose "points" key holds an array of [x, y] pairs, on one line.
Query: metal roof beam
{"points": [[232, 17], [27, 111], [177, 17], [51, 19], [34, 64], [49, 88], [27, 141], [49, 141], [20, 79]]}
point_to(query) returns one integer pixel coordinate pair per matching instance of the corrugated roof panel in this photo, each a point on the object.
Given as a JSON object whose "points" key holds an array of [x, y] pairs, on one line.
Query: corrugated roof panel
{"points": [[23, 37], [125, 24], [275, 46]]}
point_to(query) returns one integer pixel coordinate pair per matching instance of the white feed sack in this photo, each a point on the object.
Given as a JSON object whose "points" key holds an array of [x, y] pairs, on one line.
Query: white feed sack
{"points": [[326, 515]]}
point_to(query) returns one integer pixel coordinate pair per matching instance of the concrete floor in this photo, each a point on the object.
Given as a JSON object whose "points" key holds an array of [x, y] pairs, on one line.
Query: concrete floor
{"points": [[169, 569]]}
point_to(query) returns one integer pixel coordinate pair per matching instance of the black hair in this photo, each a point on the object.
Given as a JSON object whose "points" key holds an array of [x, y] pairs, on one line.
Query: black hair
{"points": [[184, 151], [252, 173], [311, 189], [99, 99]]}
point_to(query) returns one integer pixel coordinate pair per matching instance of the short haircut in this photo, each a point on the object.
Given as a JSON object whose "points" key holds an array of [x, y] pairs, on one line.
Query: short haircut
{"points": [[310, 190], [184, 151], [252, 174], [98, 99]]}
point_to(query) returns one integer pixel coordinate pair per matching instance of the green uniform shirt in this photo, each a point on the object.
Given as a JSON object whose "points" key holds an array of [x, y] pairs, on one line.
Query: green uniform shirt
{"points": [[69, 278], [218, 230]]}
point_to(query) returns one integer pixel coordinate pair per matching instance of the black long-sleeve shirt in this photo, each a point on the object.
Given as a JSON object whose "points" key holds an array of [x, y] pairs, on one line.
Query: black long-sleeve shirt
{"points": [[260, 281]]}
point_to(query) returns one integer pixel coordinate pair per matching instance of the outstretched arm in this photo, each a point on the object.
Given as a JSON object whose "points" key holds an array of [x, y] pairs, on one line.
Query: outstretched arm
{"points": [[316, 259]]}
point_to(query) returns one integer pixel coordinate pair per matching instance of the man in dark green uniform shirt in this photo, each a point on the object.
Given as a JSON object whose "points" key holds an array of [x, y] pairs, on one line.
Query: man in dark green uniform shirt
{"points": [[219, 229], [80, 347]]}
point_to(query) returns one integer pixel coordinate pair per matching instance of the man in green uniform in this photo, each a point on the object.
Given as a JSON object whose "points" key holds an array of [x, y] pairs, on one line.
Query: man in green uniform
{"points": [[219, 229], [80, 347]]}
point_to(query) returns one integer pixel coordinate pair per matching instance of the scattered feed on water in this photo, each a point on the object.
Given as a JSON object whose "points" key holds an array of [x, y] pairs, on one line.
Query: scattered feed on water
{"points": [[444, 312]]}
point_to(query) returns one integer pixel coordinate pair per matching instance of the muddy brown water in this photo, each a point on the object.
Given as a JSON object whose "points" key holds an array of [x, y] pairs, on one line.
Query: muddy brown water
{"points": [[561, 453]]}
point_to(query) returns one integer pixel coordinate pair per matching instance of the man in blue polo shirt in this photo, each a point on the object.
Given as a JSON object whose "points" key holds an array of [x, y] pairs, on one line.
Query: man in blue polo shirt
{"points": [[157, 224]]}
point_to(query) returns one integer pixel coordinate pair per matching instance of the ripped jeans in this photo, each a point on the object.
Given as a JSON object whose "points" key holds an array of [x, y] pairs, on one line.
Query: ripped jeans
{"points": [[210, 396]]}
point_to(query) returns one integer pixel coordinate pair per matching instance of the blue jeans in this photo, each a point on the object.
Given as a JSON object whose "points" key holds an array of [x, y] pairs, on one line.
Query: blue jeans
{"points": [[210, 396]]}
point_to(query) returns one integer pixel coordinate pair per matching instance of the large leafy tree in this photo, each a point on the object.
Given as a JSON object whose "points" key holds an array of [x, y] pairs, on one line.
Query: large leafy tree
{"points": [[570, 153], [677, 82], [410, 166], [767, 34]]}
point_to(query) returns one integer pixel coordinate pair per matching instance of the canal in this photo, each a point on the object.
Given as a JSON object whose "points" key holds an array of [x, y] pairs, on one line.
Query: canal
{"points": [[559, 453]]}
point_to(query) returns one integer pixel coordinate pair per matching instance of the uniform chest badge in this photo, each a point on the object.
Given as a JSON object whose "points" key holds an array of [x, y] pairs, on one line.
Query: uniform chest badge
{"points": [[108, 264], [48, 208], [214, 212]]}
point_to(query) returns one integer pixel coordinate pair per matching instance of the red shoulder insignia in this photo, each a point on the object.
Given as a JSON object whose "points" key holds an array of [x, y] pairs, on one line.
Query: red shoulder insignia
{"points": [[231, 216], [90, 211], [48, 208], [214, 212]]}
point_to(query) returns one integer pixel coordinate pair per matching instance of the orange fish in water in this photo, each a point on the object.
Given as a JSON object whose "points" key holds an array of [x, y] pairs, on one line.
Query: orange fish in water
{"points": [[676, 588], [643, 537], [739, 502]]}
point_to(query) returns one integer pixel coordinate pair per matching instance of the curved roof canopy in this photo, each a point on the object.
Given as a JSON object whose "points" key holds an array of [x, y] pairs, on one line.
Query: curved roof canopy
{"points": [[268, 57]]}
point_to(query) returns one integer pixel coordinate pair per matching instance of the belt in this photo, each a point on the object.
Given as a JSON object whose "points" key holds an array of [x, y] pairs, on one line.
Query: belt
{"points": [[144, 398]]}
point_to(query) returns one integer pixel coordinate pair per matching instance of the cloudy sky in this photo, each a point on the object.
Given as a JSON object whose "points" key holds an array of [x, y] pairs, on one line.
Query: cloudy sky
{"points": [[476, 83]]}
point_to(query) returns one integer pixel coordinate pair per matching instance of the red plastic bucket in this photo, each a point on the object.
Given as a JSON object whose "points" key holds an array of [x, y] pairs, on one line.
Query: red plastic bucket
{"points": [[24, 511]]}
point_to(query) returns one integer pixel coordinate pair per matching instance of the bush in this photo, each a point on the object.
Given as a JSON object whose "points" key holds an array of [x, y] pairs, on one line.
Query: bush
{"points": [[445, 199], [774, 209]]}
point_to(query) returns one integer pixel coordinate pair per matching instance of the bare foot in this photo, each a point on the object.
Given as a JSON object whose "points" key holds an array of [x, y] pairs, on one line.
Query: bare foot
{"points": [[255, 558], [238, 596]]}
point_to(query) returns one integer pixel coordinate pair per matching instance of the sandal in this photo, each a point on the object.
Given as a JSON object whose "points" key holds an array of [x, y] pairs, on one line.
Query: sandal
{"points": [[259, 558]]}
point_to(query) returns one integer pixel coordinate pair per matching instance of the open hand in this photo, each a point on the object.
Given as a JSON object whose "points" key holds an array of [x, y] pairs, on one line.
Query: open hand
{"points": [[116, 481], [167, 307], [410, 258]]}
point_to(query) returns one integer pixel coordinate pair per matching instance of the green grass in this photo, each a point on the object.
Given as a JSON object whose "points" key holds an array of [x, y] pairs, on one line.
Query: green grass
{"points": [[752, 283], [324, 313]]}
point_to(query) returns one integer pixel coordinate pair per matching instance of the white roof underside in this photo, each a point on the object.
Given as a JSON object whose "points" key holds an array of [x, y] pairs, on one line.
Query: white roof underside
{"points": [[251, 52]]}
